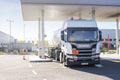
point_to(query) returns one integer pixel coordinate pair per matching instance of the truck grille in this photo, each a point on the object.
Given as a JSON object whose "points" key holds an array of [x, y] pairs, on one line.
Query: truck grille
{"points": [[85, 53]]}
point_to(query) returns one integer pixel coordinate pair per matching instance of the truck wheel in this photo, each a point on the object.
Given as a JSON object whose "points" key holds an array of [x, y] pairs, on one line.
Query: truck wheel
{"points": [[98, 61], [56, 58], [56, 55], [66, 62], [61, 57]]}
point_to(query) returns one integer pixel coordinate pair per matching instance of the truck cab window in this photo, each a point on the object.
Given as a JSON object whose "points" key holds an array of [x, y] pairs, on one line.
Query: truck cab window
{"points": [[65, 35], [79, 35]]}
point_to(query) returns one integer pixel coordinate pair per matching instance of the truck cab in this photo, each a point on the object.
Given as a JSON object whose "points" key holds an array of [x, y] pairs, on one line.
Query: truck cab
{"points": [[80, 43]]}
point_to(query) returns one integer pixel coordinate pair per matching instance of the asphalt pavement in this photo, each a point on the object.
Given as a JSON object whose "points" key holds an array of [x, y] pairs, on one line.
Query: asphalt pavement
{"points": [[13, 67]]}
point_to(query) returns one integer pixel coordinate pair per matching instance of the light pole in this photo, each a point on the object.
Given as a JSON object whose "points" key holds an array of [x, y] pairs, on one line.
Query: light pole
{"points": [[10, 21], [24, 31]]}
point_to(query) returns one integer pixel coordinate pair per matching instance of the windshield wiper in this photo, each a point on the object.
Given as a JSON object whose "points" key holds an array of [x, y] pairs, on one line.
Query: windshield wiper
{"points": [[83, 41], [92, 40]]}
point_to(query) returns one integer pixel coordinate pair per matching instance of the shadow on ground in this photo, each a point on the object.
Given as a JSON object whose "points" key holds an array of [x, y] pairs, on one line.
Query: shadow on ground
{"points": [[110, 69]]}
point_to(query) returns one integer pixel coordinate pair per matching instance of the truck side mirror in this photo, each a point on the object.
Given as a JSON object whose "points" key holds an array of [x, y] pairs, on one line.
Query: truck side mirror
{"points": [[62, 35], [100, 35]]}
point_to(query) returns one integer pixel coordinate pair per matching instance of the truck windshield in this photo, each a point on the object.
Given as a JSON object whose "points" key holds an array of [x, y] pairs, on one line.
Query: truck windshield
{"points": [[84, 35]]}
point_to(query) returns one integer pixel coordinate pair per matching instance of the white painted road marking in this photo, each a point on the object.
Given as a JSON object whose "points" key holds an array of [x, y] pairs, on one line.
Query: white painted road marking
{"points": [[30, 65], [55, 67], [64, 66], [99, 65], [61, 64], [35, 73]]}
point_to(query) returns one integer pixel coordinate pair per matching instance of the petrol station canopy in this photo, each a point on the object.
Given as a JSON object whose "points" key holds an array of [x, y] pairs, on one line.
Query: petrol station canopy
{"points": [[60, 10]]}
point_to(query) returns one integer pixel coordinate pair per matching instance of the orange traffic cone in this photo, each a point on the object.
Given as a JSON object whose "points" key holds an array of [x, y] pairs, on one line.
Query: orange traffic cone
{"points": [[23, 57]]}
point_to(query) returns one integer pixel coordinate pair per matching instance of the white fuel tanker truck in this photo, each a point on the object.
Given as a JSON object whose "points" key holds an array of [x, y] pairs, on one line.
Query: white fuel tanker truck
{"points": [[77, 42]]}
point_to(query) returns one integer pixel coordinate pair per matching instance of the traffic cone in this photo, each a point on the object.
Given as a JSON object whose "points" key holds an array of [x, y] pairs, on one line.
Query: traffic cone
{"points": [[23, 57]]}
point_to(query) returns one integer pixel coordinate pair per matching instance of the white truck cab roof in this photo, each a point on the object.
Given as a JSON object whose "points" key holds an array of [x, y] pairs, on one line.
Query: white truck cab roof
{"points": [[80, 23]]}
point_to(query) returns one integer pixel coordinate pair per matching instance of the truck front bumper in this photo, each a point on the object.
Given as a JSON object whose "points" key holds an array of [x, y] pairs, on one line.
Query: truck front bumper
{"points": [[79, 60]]}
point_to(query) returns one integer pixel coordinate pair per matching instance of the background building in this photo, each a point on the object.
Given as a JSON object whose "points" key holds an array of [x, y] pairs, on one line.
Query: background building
{"points": [[5, 41], [8, 43]]}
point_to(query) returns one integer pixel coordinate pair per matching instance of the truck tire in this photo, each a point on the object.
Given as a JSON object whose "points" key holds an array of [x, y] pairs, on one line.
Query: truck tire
{"points": [[66, 61], [61, 57], [98, 60], [57, 54]]}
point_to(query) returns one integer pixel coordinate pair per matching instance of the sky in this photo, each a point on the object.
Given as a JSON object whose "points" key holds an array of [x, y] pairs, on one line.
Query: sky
{"points": [[28, 30]]}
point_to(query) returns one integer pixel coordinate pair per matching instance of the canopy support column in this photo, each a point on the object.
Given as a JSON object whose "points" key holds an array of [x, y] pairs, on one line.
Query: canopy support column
{"points": [[42, 34], [117, 35], [39, 37]]}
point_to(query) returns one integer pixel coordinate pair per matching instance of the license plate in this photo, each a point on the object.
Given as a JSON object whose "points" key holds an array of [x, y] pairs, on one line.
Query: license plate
{"points": [[84, 63]]}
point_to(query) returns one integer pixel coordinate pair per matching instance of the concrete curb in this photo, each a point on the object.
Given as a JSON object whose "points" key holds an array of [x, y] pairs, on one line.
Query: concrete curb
{"points": [[110, 56], [38, 59]]}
